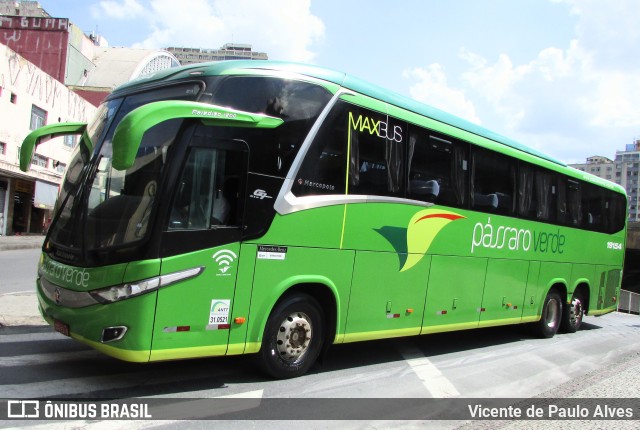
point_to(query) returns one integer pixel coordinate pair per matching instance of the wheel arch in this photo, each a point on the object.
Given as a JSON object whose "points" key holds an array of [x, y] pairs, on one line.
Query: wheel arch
{"points": [[560, 286], [584, 289], [322, 289]]}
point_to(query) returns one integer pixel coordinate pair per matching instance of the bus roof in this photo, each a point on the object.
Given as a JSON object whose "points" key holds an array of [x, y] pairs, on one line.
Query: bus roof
{"points": [[345, 81]]}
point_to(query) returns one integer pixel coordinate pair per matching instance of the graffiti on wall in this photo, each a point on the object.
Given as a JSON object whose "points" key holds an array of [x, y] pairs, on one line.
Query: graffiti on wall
{"points": [[22, 77]]}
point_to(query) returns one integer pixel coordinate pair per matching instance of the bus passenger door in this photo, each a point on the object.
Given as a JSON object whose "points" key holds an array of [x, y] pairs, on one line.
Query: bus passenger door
{"points": [[454, 294], [202, 232], [193, 317], [504, 290]]}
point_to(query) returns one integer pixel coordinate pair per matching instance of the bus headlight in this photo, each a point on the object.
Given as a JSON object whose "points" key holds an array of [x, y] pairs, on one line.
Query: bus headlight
{"points": [[126, 291]]}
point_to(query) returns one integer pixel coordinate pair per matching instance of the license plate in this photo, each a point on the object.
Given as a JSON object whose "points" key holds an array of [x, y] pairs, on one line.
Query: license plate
{"points": [[61, 327]]}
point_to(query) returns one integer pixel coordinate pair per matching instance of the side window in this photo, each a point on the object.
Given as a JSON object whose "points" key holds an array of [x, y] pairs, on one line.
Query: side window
{"points": [[438, 170], [377, 153], [297, 103], [561, 199], [593, 203], [527, 191], [615, 212], [376, 162], [323, 170], [493, 182], [574, 203], [536, 193], [207, 194]]}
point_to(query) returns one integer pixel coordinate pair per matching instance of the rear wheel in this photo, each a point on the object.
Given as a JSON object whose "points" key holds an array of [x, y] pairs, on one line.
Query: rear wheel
{"points": [[293, 337], [551, 316], [572, 317]]}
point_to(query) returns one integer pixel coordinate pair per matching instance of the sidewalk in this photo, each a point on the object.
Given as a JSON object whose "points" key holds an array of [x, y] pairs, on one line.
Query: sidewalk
{"points": [[9, 243], [20, 308]]}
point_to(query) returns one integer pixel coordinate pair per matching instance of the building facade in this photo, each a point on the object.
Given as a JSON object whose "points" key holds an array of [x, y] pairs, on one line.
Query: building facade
{"points": [[229, 51], [51, 72], [31, 98]]}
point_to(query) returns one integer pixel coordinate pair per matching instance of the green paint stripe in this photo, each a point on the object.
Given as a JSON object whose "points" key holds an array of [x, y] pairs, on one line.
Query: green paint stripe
{"points": [[192, 352], [384, 334], [252, 347], [505, 321], [599, 312], [346, 186], [381, 334], [112, 351]]}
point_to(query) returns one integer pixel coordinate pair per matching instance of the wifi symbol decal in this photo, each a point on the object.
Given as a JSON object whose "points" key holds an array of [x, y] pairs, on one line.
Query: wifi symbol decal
{"points": [[224, 258]]}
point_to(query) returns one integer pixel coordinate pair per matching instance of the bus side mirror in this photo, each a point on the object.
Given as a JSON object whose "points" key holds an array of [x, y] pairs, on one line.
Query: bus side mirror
{"points": [[129, 132], [43, 134]]}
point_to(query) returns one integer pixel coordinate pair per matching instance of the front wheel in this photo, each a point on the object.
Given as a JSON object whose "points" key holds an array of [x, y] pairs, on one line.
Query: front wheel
{"points": [[572, 318], [293, 337], [551, 316]]}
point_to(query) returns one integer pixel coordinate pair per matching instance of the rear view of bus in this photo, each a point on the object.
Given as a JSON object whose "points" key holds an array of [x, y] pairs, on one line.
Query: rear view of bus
{"points": [[271, 208]]}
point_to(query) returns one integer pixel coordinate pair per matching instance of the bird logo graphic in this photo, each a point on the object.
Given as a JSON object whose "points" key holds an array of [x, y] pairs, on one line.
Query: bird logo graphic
{"points": [[423, 228]]}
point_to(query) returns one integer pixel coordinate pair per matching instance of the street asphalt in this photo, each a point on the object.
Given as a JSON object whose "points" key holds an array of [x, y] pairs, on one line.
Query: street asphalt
{"points": [[19, 308]]}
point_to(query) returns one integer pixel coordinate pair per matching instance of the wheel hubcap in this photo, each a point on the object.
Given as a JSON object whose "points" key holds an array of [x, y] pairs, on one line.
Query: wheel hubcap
{"points": [[294, 336], [553, 311], [576, 312]]}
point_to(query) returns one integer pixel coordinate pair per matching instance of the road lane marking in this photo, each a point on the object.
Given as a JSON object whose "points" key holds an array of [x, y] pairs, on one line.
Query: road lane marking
{"points": [[433, 380]]}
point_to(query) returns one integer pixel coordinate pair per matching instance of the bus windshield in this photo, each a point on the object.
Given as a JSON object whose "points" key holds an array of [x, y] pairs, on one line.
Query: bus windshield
{"points": [[100, 207], [103, 210]]}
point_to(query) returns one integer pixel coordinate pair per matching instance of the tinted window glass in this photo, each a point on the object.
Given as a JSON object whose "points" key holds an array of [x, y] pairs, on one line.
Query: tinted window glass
{"points": [[297, 103], [323, 170], [437, 168], [536, 193], [207, 194], [493, 182], [574, 203], [376, 163], [377, 153]]}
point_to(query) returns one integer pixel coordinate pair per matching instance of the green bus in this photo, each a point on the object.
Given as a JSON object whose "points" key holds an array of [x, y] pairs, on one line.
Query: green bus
{"points": [[273, 208]]}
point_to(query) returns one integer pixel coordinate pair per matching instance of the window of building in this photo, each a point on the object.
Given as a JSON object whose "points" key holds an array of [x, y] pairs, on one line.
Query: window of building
{"points": [[3, 148], [13, 98], [70, 141], [39, 160], [59, 166], [38, 117]]}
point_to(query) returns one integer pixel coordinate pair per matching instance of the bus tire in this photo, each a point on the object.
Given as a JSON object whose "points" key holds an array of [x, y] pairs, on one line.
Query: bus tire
{"points": [[572, 317], [293, 337], [551, 316]]}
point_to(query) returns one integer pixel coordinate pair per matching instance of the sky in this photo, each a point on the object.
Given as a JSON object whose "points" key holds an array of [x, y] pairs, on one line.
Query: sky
{"points": [[562, 76]]}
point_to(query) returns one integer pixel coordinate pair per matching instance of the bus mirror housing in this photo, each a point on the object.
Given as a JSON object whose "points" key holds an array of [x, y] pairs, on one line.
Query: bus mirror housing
{"points": [[43, 134], [129, 132]]}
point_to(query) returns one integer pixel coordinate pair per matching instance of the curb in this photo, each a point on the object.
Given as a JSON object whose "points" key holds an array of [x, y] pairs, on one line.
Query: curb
{"points": [[17, 309], [11, 244]]}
